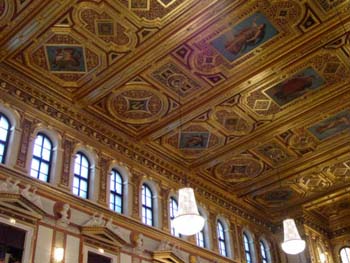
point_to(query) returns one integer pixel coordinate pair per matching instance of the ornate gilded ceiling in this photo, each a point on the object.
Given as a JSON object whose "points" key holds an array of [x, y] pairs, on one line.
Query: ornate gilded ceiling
{"points": [[251, 96]]}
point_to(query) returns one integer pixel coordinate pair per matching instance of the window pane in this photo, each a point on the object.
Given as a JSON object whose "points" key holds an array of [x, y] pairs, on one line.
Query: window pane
{"points": [[34, 173], [144, 215], [200, 239], [76, 168], [47, 144], [83, 194], [148, 201], [2, 149], [37, 150], [44, 168], [84, 162], [112, 183], [83, 185], [4, 125], [118, 201], [3, 135], [43, 177], [143, 198], [35, 164], [345, 255], [75, 190], [118, 188], [118, 178], [84, 172], [149, 214], [76, 182], [46, 154], [77, 159]]}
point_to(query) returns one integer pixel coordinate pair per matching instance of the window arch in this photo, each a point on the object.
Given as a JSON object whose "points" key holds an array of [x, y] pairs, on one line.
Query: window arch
{"points": [[345, 254], [42, 158], [220, 229], [147, 205], [201, 239], [247, 247], [264, 250], [202, 236], [5, 128], [173, 209], [81, 180], [116, 191]]}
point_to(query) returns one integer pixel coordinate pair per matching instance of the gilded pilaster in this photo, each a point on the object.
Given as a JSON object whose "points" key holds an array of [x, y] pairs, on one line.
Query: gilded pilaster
{"points": [[104, 175], [235, 248], [26, 126], [68, 147], [214, 235], [239, 240], [164, 198], [136, 179], [257, 247]]}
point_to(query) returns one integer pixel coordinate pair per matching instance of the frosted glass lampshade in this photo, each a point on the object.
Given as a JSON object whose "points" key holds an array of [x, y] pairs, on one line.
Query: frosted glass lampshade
{"points": [[58, 254], [188, 221], [292, 244]]}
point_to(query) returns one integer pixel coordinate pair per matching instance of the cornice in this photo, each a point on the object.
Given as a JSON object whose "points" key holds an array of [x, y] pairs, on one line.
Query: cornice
{"points": [[84, 125]]}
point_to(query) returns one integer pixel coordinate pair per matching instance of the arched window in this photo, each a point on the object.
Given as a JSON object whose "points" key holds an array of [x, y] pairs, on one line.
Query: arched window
{"points": [[221, 239], [200, 239], [147, 205], [81, 181], [116, 191], [5, 127], [264, 252], [42, 156], [247, 248], [173, 208], [345, 255]]}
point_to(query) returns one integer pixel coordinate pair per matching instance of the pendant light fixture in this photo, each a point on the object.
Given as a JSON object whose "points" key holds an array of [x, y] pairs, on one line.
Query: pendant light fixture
{"points": [[188, 221], [292, 244]]}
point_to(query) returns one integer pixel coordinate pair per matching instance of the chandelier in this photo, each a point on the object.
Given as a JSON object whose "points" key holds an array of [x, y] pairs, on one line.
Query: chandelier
{"points": [[188, 220], [292, 244]]}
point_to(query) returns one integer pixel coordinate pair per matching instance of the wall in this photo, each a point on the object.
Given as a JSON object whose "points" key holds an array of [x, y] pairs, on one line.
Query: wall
{"points": [[51, 232]]}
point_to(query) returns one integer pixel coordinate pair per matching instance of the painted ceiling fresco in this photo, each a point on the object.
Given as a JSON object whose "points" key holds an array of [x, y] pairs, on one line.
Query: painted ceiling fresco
{"points": [[252, 96]]}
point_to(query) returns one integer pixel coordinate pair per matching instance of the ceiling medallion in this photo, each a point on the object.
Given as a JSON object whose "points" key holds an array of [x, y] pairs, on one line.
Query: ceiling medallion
{"points": [[137, 103]]}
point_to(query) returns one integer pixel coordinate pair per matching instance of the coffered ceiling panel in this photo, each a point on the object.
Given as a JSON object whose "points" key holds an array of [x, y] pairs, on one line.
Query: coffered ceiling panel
{"points": [[251, 97]]}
